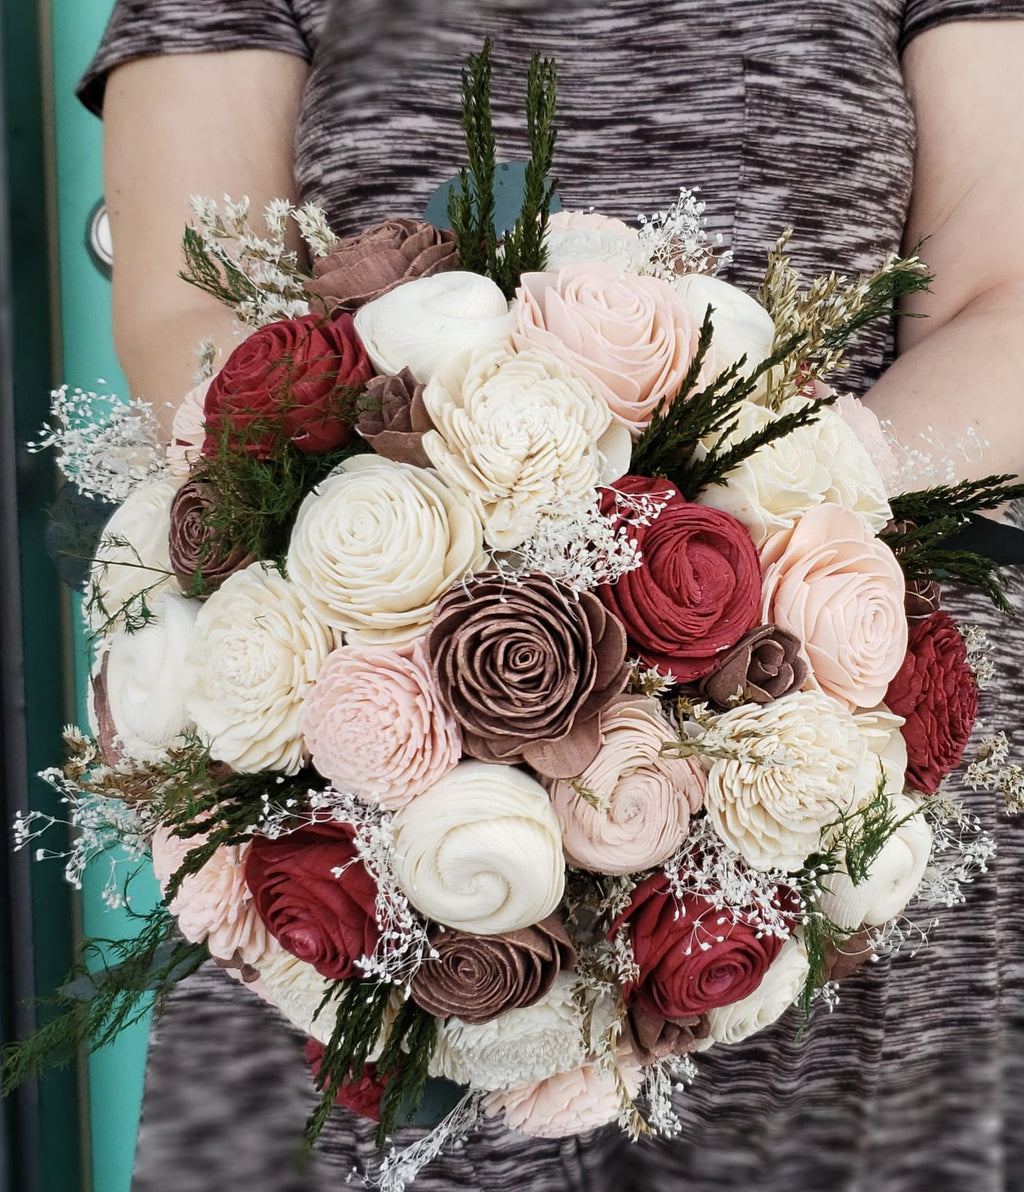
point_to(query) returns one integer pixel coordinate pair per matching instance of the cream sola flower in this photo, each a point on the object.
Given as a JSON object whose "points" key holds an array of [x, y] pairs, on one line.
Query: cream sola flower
{"points": [[256, 652], [378, 544], [520, 435]]}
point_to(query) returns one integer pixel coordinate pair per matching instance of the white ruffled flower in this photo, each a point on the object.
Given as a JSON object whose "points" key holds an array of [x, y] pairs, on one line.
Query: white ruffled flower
{"points": [[146, 677], [519, 434], [481, 850], [774, 814], [425, 323], [574, 236], [188, 431], [880, 729], [742, 326], [132, 556], [256, 653], [823, 462], [893, 878], [516, 1048], [378, 544], [770, 1000], [297, 990]]}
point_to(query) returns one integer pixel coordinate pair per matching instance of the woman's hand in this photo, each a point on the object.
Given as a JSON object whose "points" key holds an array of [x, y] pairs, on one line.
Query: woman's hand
{"points": [[960, 371], [175, 126]]}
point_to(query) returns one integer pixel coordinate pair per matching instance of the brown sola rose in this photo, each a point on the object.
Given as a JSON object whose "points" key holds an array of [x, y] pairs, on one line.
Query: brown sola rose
{"points": [[393, 418], [653, 1037], [936, 694], [526, 668], [362, 268], [479, 977], [315, 896], [764, 665], [288, 382], [690, 955], [698, 587], [200, 558]]}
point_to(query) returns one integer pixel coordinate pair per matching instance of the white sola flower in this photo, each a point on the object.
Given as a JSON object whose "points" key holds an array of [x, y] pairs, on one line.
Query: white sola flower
{"points": [[808, 764], [378, 544], [256, 653], [769, 1001], [742, 326], [516, 1048], [521, 436]]}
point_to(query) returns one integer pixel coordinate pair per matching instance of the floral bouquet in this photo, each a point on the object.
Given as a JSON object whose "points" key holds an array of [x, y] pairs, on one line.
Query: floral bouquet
{"points": [[522, 668]]}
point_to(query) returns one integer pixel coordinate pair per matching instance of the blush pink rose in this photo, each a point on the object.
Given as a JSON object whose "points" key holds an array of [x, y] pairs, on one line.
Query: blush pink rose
{"points": [[631, 337], [374, 724], [840, 590], [637, 806], [214, 904]]}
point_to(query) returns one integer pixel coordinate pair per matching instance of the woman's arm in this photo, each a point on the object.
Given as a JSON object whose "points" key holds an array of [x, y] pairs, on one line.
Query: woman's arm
{"points": [[961, 369], [176, 126]]}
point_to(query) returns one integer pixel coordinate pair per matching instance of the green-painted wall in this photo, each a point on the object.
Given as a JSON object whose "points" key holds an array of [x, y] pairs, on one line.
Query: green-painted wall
{"points": [[115, 1074]]}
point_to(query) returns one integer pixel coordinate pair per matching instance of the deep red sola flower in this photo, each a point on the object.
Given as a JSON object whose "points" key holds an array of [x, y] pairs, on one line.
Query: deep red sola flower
{"points": [[692, 956], [287, 381], [362, 1096], [315, 896], [698, 588], [936, 693]]}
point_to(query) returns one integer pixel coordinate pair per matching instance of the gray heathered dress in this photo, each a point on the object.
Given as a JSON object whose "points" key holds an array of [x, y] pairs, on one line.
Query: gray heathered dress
{"points": [[783, 113]]}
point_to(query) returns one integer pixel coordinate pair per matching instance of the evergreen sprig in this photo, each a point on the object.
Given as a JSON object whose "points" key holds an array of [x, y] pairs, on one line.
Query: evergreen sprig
{"points": [[404, 1066], [945, 500], [94, 1006]]}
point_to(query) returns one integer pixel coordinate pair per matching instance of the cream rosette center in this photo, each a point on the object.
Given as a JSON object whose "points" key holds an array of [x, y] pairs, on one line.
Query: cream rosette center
{"points": [[146, 678], [378, 544], [481, 850], [255, 655], [519, 434], [630, 809], [808, 765]]}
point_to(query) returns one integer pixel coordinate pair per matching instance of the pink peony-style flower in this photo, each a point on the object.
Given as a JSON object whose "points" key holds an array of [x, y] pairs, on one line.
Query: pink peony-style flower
{"points": [[637, 806], [374, 724], [567, 1103], [631, 337], [840, 590], [214, 904]]}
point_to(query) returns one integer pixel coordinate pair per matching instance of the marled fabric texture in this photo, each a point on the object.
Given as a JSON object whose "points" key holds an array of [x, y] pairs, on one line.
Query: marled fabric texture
{"points": [[783, 113]]}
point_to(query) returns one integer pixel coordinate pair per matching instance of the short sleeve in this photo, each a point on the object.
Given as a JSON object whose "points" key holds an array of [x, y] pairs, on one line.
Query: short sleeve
{"points": [[145, 28], [920, 15]]}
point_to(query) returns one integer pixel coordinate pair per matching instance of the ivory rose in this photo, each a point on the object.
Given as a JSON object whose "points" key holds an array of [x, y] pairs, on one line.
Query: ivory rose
{"points": [[742, 326], [255, 655], [145, 679], [132, 563], [766, 1004], [631, 337], [893, 877], [519, 434], [524, 1045], [644, 800], [377, 544], [480, 850], [214, 905], [822, 462], [840, 590], [567, 1103], [774, 814], [375, 725], [424, 324], [575, 236]]}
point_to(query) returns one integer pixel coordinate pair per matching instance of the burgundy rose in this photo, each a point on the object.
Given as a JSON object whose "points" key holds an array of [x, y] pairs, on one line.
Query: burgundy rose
{"points": [[288, 382], [362, 1096], [394, 419], [691, 956], [315, 896], [698, 589], [526, 668], [479, 977], [361, 268], [764, 665], [936, 694], [652, 1037], [197, 551]]}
